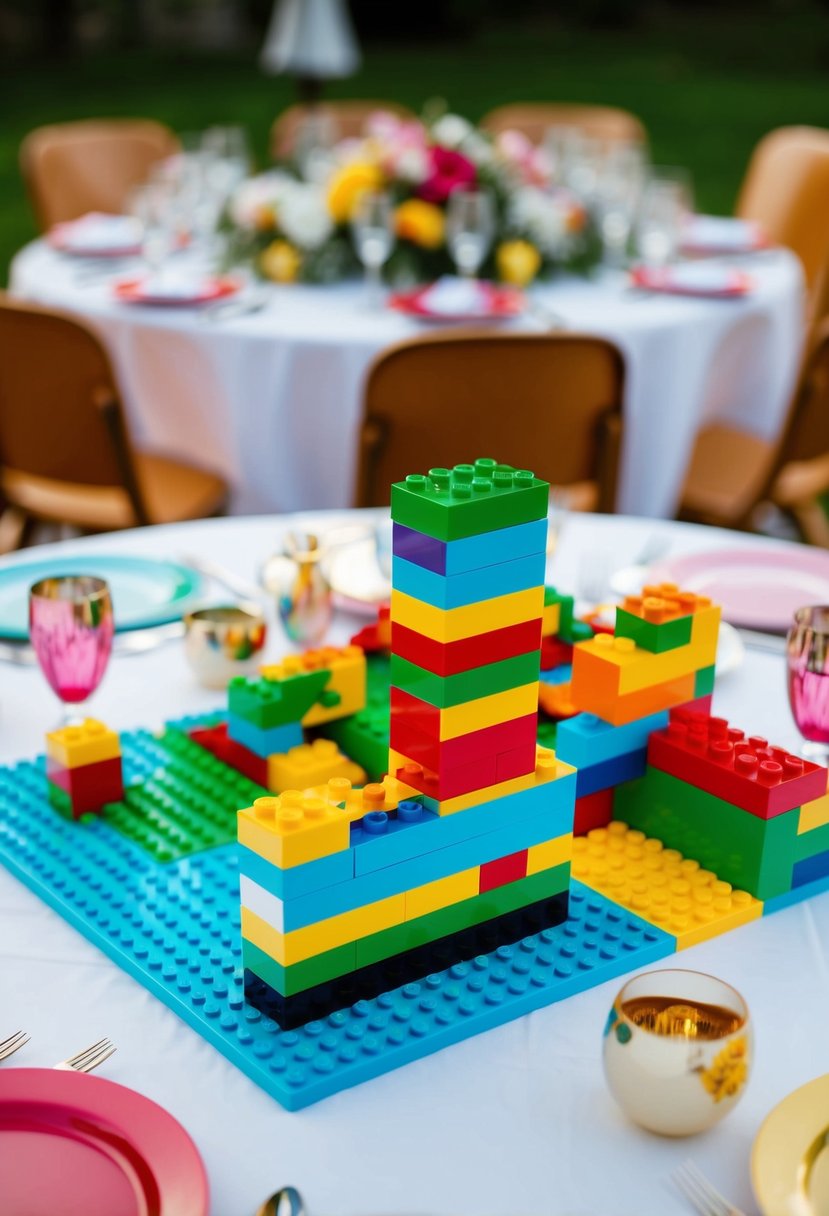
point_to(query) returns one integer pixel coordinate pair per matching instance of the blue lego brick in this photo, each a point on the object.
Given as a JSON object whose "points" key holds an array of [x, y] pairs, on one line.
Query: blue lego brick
{"points": [[796, 895], [611, 772], [810, 869], [312, 878], [470, 553], [585, 739], [272, 741], [460, 590], [548, 823], [558, 675]]}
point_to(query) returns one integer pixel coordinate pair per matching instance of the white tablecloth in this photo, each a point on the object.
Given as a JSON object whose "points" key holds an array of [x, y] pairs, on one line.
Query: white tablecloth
{"points": [[514, 1121], [273, 400]]}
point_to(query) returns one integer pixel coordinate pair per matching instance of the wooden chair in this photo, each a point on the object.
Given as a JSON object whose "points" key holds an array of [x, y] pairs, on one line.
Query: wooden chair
{"points": [[546, 402], [786, 190], [347, 118], [732, 471], [65, 452], [533, 118], [75, 167]]}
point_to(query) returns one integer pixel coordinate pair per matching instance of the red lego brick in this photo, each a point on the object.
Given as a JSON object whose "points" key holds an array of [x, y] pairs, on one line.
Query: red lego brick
{"points": [[427, 749], [215, 740], [376, 636], [593, 811], [466, 777], [505, 869], [702, 705], [451, 658], [555, 653], [89, 786], [708, 754], [514, 763]]}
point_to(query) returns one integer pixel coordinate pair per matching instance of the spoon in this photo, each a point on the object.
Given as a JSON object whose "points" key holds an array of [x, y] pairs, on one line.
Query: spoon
{"points": [[286, 1202]]}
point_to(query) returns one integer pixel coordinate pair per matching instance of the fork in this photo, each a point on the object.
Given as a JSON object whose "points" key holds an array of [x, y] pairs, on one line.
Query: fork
{"points": [[12, 1044], [88, 1059], [702, 1196]]}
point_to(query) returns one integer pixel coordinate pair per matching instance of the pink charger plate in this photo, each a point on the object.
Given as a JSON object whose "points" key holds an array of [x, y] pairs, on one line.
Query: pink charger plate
{"points": [[500, 301], [758, 588], [133, 291], [83, 1146]]}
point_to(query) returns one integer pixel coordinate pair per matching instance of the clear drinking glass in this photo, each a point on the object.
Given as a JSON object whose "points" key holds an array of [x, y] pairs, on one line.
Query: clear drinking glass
{"points": [[373, 232], [621, 181], [71, 627], [154, 206], [667, 204], [582, 160], [807, 656], [470, 227]]}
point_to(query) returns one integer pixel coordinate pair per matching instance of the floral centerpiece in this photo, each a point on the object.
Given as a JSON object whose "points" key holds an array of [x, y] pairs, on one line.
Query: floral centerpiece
{"points": [[295, 225]]}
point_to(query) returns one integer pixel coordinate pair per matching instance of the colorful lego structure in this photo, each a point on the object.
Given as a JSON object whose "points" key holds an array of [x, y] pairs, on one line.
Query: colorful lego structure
{"points": [[320, 931]]}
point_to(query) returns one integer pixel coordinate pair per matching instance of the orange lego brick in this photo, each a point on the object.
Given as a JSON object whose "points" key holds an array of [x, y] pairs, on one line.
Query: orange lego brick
{"points": [[556, 700]]}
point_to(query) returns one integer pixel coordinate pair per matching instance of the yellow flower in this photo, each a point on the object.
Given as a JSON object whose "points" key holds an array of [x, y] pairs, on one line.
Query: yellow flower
{"points": [[420, 222], [280, 262], [264, 218], [347, 185], [518, 262]]}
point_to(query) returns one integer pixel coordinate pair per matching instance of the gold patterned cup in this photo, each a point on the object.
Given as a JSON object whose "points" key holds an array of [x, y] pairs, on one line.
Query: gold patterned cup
{"points": [[677, 1050], [224, 642]]}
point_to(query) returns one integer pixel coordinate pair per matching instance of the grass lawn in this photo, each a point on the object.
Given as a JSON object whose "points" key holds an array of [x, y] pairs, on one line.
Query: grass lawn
{"points": [[707, 86]]}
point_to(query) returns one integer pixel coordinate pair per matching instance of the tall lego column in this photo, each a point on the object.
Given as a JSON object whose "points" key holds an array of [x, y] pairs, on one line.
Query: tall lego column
{"points": [[467, 600]]}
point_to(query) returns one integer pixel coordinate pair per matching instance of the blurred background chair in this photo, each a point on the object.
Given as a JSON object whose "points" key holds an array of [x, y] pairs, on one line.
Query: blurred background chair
{"points": [[337, 119], [732, 472], [534, 118], [65, 451], [72, 168], [786, 190], [547, 402]]}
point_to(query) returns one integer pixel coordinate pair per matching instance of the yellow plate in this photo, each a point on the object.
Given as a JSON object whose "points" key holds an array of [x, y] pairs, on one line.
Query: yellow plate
{"points": [[790, 1158]]}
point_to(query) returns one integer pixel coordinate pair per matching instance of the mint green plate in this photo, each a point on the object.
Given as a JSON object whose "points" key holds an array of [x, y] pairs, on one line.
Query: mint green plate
{"points": [[145, 592]]}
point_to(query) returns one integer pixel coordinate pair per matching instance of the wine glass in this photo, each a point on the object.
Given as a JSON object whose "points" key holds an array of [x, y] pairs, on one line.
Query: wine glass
{"points": [[807, 657], [153, 205], [373, 233], [667, 203], [71, 628], [620, 187], [470, 227]]}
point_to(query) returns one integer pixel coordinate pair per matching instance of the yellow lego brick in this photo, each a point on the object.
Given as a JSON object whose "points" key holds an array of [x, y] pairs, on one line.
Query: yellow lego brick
{"points": [[291, 829], [705, 630], [347, 665], [813, 815], [487, 711], [87, 743], [301, 944], [442, 892], [549, 853], [453, 624], [310, 764], [547, 768], [617, 665], [550, 620], [660, 885]]}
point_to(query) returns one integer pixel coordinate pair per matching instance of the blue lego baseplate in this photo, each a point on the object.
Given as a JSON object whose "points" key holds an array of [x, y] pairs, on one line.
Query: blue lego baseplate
{"points": [[175, 928]]}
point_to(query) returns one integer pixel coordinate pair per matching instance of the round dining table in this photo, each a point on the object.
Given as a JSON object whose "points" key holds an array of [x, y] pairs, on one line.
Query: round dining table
{"points": [[271, 399], [516, 1120]]}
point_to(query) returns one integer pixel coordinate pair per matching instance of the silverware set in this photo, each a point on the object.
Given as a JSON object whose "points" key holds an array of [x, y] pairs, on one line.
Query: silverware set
{"points": [[83, 1061], [702, 1195]]}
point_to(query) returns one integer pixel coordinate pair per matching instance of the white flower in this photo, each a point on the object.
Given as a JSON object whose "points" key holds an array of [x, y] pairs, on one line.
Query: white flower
{"points": [[303, 216], [451, 130], [542, 218], [256, 195], [478, 148], [412, 165]]}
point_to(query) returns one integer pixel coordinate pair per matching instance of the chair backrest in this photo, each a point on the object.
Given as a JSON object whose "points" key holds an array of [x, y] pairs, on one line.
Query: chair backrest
{"points": [[75, 167], [346, 118], [786, 190], [533, 118], [60, 417], [806, 434], [546, 402]]}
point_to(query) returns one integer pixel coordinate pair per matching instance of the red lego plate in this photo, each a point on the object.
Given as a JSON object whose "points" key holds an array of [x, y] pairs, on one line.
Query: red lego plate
{"points": [[175, 294], [84, 1146], [484, 302]]}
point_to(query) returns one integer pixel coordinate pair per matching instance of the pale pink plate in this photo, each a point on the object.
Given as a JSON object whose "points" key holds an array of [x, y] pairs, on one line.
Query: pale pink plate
{"points": [[758, 588], [496, 301], [83, 1146], [137, 291], [703, 280]]}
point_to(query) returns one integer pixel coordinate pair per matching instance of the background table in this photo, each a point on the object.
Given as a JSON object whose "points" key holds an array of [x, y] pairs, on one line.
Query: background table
{"points": [[516, 1121], [272, 400]]}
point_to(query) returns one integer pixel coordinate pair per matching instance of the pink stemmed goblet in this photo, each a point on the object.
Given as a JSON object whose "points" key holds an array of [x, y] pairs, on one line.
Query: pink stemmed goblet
{"points": [[71, 628], [807, 653]]}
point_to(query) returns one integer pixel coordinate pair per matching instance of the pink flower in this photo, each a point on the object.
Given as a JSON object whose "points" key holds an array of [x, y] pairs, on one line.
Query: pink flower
{"points": [[449, 171]]}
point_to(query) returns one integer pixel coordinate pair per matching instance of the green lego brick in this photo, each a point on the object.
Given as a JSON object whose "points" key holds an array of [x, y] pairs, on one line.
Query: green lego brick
{"points": [[463, 915], [288, 981], [704, 681], [364, 736], [649, 636], [446, 691], [579, 631], [753, 854], [187, 804], [810, 844], [267, 703], [449, 504], [565, 603], [546, 733]]}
